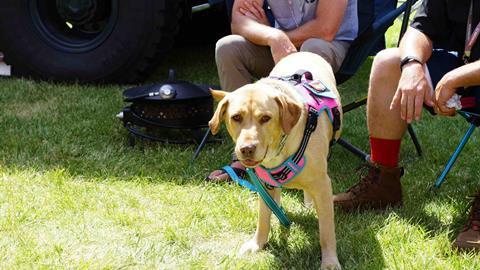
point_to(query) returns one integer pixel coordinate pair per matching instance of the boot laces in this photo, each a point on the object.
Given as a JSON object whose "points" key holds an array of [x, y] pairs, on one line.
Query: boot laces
{"points": [[368, 177], [474, 216]]}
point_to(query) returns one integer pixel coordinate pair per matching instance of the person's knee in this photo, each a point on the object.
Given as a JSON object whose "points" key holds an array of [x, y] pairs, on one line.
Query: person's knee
{"points": [[318, 46], [227, 47], [387, 61], [325, 49], [385, 68], [313, 44]]}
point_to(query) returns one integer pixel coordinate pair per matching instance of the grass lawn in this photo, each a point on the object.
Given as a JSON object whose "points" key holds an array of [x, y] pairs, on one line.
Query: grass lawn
{"points": [[74, 195]]}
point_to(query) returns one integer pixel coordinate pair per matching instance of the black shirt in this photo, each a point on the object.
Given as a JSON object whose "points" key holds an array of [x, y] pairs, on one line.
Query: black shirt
{"points": [[445, 23]]}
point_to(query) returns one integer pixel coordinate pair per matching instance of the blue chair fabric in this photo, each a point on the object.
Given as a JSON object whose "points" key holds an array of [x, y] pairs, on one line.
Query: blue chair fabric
{"points": [[370, 36]]}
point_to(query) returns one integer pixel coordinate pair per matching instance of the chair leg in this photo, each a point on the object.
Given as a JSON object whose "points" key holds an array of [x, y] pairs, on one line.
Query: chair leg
{"points": [[353, 149], [355, 104], [418, 147], [201, 145], [454, 157], [344, 143]]}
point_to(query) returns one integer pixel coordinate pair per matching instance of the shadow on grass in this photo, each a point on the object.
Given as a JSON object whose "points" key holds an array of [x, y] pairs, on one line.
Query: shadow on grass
{"points": [[357, 246]]}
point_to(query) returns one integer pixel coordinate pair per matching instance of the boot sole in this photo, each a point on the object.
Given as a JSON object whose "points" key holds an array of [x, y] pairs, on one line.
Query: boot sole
{"points": [[465, 247], [368, 206]]}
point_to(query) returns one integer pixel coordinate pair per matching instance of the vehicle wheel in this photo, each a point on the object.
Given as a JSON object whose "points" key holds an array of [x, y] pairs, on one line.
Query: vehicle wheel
{"points": [[87, 41]]}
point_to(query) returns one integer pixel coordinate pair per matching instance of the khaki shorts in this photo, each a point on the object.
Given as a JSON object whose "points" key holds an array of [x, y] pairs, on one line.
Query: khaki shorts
{"points": [[239, 61]]}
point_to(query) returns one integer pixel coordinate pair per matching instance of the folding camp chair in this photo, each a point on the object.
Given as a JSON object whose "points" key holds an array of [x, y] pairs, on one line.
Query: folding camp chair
{"points": [[474, 120], [372, 29], [371, 33]]}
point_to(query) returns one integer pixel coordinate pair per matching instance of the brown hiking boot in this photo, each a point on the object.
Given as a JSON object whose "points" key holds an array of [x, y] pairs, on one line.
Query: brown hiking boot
{"points": [[378, 189], [469, 238]]}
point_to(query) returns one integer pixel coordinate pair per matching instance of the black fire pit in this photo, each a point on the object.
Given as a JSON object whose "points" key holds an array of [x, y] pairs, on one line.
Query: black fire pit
{"points": [[174, 111]]}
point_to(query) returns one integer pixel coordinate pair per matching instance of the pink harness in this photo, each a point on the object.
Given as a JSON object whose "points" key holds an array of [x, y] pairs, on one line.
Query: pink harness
{"points": [[318, 98]]}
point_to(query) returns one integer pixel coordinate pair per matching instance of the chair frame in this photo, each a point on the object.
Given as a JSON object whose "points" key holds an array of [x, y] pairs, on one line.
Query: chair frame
{"points": [[474, 120]]}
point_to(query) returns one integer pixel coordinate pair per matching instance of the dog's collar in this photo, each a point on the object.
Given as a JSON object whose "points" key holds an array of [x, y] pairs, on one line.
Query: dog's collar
{"points": [[318, 98]]}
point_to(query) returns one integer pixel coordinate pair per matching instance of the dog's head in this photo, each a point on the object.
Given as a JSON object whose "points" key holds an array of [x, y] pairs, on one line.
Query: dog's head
{"points": [[256, 118]]}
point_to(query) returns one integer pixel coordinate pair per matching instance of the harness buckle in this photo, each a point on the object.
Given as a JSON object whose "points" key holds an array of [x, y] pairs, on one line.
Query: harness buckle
{"points": [[312, 118]]}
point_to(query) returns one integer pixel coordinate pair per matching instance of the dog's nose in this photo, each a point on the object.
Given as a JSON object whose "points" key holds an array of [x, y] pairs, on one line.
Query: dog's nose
{"points": [[248, 150]]}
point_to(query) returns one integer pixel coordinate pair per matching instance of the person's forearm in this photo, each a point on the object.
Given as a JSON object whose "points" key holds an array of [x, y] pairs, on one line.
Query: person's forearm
{"points": [[328, 18], [255, 32], [417, 44], [311, 29], [465, 76]]}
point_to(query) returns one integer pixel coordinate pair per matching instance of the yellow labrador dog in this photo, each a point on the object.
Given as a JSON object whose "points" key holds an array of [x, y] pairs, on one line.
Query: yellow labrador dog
{"points": [[257, 115]]}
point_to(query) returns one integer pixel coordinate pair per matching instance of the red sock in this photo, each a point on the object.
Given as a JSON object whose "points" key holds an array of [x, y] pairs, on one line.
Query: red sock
{"points": [[384, 152]]}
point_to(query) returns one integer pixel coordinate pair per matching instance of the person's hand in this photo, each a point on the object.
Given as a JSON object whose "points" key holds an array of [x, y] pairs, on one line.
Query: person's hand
{"points": [[254, 11], [443, 92], [280, 45], [413, 90]]}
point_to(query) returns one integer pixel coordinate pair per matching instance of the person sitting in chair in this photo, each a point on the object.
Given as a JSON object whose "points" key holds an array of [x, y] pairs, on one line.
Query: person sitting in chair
{"points": [[441, 44], [324, 27]]}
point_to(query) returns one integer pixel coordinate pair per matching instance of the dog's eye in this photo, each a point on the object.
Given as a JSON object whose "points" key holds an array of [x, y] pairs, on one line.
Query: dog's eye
{"points": [[264, 119], [237, 118]]}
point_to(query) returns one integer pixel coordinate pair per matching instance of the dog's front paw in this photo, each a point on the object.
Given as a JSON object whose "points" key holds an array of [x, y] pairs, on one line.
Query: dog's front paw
{"points": [[331, 264], [251, 246]]}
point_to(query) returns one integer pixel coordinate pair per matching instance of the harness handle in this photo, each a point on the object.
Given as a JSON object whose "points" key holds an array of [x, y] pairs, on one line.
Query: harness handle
{"points": [[296, 77], [302, 73]]}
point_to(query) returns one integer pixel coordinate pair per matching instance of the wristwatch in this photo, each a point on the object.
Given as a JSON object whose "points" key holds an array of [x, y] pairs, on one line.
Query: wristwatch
{"points": [[408, 59]]}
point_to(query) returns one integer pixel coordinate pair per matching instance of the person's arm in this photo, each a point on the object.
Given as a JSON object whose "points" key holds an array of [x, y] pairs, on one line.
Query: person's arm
{"points": [[416, 44], [429, 24], [329, 16], [247, 27], [245, 22], [413, 88], [464, 76]]}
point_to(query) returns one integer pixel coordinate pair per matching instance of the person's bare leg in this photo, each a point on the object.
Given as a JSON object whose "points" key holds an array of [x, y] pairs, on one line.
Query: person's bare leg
{"points": [[383, 122], [381, 186]]}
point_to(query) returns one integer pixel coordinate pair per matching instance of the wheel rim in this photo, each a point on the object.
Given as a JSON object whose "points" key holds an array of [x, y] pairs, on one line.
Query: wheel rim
{"points": [[74, 26]]}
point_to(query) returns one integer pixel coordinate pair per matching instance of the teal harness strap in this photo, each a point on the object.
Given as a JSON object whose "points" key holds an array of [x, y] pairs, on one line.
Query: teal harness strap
{"points": [[277, 210], [240, 181], [258, 187]]}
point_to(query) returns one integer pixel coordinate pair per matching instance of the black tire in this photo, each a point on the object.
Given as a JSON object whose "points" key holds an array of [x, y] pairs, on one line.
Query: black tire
{"points": [[119, 42]]}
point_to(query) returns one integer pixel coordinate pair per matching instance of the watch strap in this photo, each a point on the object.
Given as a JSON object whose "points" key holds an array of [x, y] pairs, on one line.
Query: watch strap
{"points": [[408, 59]]}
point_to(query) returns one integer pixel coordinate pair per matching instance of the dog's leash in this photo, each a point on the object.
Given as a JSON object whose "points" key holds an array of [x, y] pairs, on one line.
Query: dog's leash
{"points": [[260, 189]]}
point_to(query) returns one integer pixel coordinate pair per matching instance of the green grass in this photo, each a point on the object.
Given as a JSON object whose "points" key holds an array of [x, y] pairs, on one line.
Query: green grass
{"points": [[74, 195]]}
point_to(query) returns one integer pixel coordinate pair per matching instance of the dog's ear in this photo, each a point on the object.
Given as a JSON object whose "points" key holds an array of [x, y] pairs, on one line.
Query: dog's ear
{"points": [[217, 117], [217, 94], [290, 112]]}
